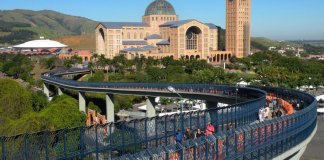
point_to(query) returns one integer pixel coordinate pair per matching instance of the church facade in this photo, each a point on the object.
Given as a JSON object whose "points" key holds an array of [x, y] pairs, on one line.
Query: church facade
{"points": [[162, 34]]}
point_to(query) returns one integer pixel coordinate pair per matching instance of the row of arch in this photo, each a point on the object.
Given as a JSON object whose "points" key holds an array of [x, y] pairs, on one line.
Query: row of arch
{"points": [[219, 58]]}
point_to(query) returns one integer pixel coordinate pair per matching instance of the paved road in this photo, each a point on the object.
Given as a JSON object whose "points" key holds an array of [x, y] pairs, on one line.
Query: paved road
{"points": [[315, 150]]}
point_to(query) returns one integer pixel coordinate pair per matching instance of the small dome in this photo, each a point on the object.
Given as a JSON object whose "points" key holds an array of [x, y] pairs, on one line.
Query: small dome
{"points": [[160, 7]]}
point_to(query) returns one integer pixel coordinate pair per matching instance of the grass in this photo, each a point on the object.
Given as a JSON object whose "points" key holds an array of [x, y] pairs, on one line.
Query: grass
{"points": [[269, 43], [48, 34], [79, 41]]}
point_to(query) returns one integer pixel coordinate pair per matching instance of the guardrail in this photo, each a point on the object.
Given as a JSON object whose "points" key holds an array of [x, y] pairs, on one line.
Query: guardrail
{"points": [[264, 140], [124, 138]]}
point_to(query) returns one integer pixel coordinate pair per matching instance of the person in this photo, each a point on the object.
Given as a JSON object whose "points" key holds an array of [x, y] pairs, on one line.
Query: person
{"points": [[267, 112], [230, 126], [210, 129], [199, 133], [261, 112], [187, 134], [279, 113], [179, 136]]}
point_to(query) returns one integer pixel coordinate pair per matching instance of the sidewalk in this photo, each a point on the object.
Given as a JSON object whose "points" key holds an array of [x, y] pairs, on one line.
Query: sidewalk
{"points": [[315, 149]]}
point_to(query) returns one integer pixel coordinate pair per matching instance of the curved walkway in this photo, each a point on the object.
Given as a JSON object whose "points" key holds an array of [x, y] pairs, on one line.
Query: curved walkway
{"points": [[252, 141]]}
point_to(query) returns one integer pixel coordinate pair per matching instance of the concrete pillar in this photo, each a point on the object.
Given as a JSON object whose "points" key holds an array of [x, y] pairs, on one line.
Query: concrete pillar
{"points": [[82, 102], [46, 90], [110, 108], [213, 113], [150, 107], [59, 91]]}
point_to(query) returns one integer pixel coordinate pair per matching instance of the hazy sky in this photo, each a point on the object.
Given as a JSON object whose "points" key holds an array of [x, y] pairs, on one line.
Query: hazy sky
{"points": [[275, 19]]}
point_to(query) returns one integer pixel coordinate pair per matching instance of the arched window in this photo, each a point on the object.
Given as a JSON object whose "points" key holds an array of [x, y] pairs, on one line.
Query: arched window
{"points": [[192, 37], [128, 35], [141, 35], [135, 36]]}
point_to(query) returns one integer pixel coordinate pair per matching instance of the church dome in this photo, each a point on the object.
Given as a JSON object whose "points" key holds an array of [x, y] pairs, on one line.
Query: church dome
{"points": [[160, 7]]}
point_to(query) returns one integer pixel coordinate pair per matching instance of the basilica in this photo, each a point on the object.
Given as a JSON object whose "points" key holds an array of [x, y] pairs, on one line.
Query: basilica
{"points": [[162, 34]]}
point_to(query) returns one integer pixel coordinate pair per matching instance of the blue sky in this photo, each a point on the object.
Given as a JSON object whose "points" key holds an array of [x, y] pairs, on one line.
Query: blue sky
{"points": [[275, 19]]}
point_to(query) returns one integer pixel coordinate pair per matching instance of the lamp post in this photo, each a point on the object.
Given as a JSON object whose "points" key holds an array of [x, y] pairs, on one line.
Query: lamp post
{"points": [[236, 89], [172, 90], [309, 84]]}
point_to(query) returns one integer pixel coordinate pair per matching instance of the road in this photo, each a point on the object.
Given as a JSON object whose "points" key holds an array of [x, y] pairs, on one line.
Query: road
{"points": [[315, 150]]}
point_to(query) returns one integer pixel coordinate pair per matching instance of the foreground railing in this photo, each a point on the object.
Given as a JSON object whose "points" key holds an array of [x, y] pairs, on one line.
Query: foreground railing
{"points": [[264, 140], [123, 137]]}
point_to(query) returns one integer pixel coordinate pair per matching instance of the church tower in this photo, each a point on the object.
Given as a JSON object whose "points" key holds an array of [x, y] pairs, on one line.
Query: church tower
{"points": [[238, 27]]}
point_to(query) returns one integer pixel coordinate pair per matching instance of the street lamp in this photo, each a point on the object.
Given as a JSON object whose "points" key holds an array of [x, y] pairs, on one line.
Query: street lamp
{"points": [[236, 89], [309, 85], [172, 90]]}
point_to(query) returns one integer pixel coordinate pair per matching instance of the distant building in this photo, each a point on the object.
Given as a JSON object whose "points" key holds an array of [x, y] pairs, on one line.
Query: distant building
{"points": [[84, 54], [162, 34]]}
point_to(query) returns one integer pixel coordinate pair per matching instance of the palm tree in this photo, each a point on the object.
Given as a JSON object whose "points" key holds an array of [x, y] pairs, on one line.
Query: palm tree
{"points": [[94, 59]]}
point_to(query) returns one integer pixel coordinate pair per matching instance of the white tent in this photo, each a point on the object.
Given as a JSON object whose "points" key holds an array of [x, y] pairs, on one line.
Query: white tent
{"points": [[38, 44]]}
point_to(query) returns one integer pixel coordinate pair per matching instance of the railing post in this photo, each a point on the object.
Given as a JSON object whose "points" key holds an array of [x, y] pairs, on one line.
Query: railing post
{"points": [[110, 140], [146, 133], [46, 145], [81, 143], [65, 139], [259, 140], [3, 147], [26, 148], [97, 143], [165, 129], [156, 131]]}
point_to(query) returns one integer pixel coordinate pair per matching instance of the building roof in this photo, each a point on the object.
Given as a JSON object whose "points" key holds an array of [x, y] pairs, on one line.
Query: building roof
{"points": [[40, 44], [139, 42], [149, 47], [132, 49], [140, 49], [153, 36], [175, 24], [163, 42], [160, 7], [120, 25], [212, 26]]}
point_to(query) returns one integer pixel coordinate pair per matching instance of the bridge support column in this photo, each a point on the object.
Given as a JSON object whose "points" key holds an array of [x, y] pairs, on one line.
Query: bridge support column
{"points": [[82, 102], [46, 90], [59, 91], [213, 114], [150, 107], [110, 108]]}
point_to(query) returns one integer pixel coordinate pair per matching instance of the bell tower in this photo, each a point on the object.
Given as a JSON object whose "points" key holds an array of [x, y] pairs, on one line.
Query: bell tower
{"points": [[238, 19]]}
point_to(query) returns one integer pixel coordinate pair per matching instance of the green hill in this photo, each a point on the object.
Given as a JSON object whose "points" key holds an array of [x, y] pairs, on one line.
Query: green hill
{"points": [[263, 43], [49, 24]]}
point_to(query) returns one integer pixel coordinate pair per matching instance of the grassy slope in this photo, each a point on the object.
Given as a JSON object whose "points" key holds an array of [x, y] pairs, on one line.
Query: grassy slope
{"points": [[79, 42], [51, 21], [268, 42]]}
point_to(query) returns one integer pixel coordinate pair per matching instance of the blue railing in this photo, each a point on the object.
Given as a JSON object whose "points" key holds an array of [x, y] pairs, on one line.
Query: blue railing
{"points": [[264, 140], [156, 135]]}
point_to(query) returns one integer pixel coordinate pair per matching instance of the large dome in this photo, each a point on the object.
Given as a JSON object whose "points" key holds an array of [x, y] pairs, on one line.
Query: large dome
{"points": [[160, 7]]}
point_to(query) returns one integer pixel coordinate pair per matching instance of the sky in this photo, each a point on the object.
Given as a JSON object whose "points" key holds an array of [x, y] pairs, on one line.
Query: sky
{"points": [[275, 19]]}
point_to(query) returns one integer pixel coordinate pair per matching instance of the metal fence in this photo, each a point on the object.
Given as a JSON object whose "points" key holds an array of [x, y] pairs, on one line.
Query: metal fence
{"points": [[264, 140], [123, 137], [127, 140]]}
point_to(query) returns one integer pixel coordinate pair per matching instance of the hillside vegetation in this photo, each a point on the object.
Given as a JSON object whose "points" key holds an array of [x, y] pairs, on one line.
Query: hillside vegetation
{"points": [[22, 110], [263, 43], [17, 26]]}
